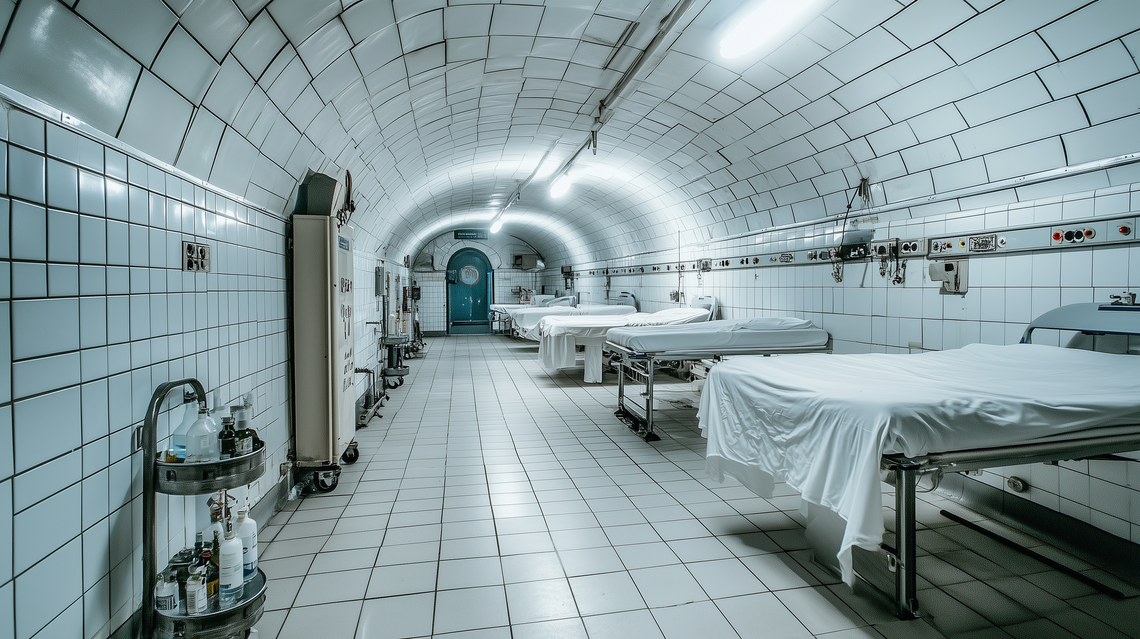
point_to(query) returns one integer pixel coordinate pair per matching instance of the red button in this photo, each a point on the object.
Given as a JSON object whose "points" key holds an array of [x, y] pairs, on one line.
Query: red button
{"points": [[1125, 230], [1057, 236], [1089, 232]]}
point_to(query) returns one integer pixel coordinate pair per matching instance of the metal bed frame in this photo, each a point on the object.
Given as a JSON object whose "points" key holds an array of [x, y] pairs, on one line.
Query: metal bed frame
{"points": [[1118, 318], [640, 366]]}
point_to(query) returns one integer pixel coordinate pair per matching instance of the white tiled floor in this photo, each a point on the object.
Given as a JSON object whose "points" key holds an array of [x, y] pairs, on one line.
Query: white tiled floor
{"points": [[493, 500]]}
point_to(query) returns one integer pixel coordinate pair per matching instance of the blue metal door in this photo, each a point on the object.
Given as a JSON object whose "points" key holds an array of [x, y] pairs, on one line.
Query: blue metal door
{"points": [[469, 287]]}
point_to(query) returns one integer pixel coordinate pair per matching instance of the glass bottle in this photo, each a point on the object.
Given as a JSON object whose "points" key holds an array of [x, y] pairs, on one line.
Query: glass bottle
{"points": [[211, 580], [197, 598], [202, 439], [216, 549], [244, 441], [215, 528], [227, 439]]}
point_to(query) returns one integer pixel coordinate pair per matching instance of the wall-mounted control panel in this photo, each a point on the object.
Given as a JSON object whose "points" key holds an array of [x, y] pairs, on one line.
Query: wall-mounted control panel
{"points": [[1060, 236], [1028, 239], [195, 257]]}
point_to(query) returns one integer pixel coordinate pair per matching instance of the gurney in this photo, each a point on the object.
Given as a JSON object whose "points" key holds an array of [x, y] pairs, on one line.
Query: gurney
{"points": [[832, 425], [559, 336], [643, 349]]}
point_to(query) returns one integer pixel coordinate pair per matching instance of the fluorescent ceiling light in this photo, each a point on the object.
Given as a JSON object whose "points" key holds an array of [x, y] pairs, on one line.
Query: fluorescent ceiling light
{"points": [[497, 225], [560, 186], [761, 25], [547, 168]]}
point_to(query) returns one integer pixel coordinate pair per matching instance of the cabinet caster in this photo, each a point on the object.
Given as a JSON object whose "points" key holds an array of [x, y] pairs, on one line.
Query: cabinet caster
{"points": [[350, 455], [326, 482]]}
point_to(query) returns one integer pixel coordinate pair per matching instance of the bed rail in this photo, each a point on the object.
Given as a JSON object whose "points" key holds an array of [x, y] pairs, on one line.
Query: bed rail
{"points": [[639, 367], [1117, 318]]}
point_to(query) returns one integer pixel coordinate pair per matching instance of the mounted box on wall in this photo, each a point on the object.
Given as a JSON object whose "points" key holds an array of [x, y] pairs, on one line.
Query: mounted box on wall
{"points": [[529, 262], [952, 273]]}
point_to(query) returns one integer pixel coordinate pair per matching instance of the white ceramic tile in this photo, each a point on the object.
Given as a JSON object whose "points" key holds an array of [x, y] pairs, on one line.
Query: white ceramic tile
{"points": [[6, 530], [157, 119], [470, 609], [48, 589], [217, 24], [184, 65], [26, 175], [62, 186]]}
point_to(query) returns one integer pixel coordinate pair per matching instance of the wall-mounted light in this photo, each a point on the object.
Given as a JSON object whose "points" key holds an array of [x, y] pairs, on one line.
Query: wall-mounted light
{"points": [[560, 186], [496, 225], [761, 25]]}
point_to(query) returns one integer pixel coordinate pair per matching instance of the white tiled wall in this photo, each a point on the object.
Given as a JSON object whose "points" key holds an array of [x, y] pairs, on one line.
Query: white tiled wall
{"points": [[96, 312], [866, 313]]}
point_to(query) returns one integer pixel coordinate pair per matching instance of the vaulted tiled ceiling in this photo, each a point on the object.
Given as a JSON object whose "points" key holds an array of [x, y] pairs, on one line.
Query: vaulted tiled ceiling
{"points": [[441, 109]]}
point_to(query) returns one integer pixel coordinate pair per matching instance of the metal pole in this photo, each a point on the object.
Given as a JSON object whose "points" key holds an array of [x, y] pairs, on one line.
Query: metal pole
{"points": [[621, 383], [906, 597], [649, 399], [150, 543]]}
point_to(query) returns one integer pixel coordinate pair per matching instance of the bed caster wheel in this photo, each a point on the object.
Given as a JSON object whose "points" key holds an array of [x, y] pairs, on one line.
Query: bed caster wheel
{"points": [[326, 482], [351, 455], [400, 382]]}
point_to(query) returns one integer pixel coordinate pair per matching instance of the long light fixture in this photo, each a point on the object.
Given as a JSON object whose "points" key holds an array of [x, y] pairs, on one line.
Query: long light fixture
{"points": [[761, 25], [498, 224], [560, 186]]}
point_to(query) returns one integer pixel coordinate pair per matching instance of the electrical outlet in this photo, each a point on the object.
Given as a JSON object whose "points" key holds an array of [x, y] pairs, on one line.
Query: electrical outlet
{"points": [[195, 257], [885, 248], [912, 248]]}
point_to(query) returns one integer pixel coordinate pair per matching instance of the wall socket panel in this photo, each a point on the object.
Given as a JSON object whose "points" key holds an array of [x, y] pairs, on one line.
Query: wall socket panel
{"points": [[195, 257], [885, 248], [1068, 234], [913, 248]]}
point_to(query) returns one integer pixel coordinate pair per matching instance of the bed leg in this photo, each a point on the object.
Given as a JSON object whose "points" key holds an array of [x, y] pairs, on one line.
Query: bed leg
{"points": [[906, 597], [621, 384], [648, 435]]}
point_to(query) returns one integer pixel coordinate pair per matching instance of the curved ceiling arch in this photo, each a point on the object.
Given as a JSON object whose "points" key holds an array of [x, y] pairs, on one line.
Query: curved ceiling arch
{"points": [[439, 109]]}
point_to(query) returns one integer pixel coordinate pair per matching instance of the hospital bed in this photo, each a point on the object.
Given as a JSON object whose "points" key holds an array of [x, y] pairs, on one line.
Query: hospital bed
{"points": [[829, 425], [526, 320], [642, 349], [501, 313], [559, 337]]}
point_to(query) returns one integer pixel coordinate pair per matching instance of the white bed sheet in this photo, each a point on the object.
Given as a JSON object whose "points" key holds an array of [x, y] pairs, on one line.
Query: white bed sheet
{"points": [[507, 308], [755, 332], [559, 336], [822, 422], [526, 320]]}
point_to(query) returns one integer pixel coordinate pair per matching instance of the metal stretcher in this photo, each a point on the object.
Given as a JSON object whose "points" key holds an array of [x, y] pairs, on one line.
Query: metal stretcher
{"points": [[640, 367], [1087, 319]]}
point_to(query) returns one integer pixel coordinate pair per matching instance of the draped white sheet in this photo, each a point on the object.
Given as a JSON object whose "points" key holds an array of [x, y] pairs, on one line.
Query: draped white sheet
{"points": [[756, 332], [822, 422], [558, 336]]}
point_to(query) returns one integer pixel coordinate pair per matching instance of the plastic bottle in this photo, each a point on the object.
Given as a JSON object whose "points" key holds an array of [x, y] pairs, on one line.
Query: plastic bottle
{"points": [[247, 531], [230, 582], [202, 439], [178, 437], [166, 592], [197, 599]]}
